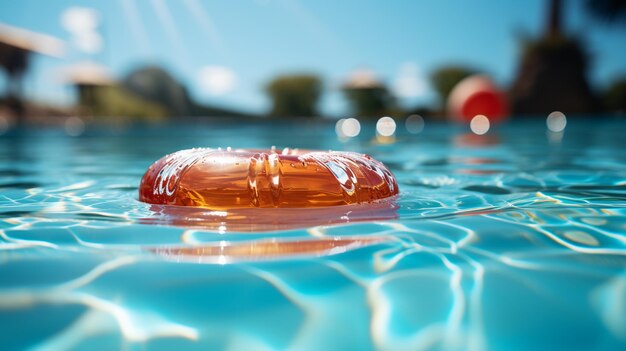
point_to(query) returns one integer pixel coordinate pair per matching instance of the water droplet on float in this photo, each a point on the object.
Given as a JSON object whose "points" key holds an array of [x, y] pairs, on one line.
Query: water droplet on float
{"points": [[480, 124], [556, 121]]}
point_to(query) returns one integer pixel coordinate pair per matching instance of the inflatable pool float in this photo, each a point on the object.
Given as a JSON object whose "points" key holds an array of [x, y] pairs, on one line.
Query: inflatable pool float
{"points": [[477, 95], [228, 179]]}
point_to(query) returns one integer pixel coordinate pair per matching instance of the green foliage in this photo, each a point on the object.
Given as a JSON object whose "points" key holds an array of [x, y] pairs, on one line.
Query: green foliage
{"points": [[558, 47], [615, 96], [611, 11], [156, 85], [369, 102], [115, 101], [444, 79], [149, 94], [294, 95], [552, 75]]}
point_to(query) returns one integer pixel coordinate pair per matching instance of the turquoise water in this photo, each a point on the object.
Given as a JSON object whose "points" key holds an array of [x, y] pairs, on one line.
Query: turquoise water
{"points": [[511, 241]]}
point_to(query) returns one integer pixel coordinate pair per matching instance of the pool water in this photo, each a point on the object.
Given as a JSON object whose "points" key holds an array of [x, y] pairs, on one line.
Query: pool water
{"points": [[515, 240]]}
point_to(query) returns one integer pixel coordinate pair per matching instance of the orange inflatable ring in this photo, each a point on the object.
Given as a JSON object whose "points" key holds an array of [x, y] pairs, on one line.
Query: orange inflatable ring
{"points": [[231, 179]]}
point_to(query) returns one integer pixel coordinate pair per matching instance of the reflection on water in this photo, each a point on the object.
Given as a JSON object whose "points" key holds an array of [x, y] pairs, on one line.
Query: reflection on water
{"points": [[516, 243], [223, 252], [269, 219]]}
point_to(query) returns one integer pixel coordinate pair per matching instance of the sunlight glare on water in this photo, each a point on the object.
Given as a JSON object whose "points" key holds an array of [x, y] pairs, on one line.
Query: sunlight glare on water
{"points": [[348, 127], [414, 124], [556, 121], [386, 126], [479, 124]]}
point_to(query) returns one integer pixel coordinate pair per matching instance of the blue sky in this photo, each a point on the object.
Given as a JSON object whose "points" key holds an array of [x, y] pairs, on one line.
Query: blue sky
{"points": [[247, 42]]}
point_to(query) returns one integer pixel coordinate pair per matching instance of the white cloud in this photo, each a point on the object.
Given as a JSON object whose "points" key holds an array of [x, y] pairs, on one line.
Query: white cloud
{"points": [[409, 82], [82, 23], [216, 80], [77, 20], [89, 42]]}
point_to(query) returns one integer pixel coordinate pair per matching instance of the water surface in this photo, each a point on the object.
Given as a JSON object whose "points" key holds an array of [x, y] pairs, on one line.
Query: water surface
{"points": [[510, 241]]}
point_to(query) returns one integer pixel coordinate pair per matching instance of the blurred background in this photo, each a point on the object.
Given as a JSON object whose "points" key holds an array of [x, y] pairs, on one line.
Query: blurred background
{"points": [[491, 227], [129, 61]]}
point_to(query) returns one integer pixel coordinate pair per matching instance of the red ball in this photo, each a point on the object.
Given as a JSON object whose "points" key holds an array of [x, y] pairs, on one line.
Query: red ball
{"points": [[477, 95]]}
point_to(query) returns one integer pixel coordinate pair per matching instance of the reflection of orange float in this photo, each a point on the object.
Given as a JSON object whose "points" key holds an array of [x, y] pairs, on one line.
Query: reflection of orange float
{"points": [[225, 252], [253, 219], [235, 179], [477, 95]]}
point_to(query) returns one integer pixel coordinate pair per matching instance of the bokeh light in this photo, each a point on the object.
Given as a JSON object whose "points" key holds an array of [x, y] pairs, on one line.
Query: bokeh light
{"points": [[347, 127], [386, 126], [414, 124], [74, 126], [79, 19], [556, 121], [338, 127], [480, 124]]}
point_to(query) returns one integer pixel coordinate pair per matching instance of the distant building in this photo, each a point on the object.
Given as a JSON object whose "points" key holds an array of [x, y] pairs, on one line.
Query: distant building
{"points": [[87, 77], [16, 45]]}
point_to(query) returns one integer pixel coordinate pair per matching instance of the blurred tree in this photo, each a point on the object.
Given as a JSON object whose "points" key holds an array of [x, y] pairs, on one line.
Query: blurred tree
{"points": [[369, 102], [116, 101], [611, 11], [552, 74], [155, 85], [368, 97], [158, 86], [615, 96], [100, 96], [294, 95], [446, 78]]}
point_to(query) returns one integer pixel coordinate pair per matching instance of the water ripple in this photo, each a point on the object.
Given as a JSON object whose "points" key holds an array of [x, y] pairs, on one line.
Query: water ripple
{"points": [[509, 242]]}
